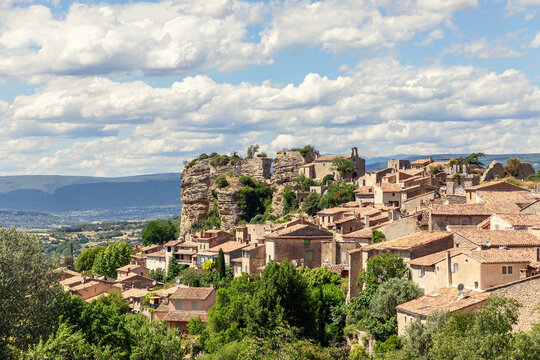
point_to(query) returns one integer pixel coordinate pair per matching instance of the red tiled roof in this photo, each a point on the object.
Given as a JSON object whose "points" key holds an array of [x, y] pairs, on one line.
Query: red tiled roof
{"points": [[498, 256], [461, 209], [390, 188], [432, 259], [445, 299], [409, 241], [520, 219], [500, 185], [227, 246], [185, 316], [510, 238], [364, 190], [160, 254], [192, 293]]}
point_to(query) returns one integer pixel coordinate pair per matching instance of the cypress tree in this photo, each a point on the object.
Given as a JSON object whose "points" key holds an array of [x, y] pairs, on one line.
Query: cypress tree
{"points": [[221, 264]]}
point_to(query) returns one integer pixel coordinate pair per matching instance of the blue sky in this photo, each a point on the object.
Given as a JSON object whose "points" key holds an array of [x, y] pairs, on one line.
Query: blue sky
{"points": [[116, 88]]}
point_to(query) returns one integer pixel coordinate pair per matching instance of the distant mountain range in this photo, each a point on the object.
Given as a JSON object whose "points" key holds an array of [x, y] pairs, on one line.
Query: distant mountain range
{"points": [[379, 163], [49, 200]]}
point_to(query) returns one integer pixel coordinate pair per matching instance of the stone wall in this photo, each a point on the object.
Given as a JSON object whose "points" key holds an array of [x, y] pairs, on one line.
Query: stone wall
{"points": [[494, 170], [402, 227]]}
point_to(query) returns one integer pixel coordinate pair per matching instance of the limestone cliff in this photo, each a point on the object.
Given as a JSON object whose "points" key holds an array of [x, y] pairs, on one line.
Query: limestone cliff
{"points": [[198, 183]]}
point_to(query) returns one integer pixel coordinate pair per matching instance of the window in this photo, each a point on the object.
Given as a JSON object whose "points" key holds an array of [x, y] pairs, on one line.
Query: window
{"points": [[510, 270], [464, 221], [453, 267], [419, 271], [310, 255], [307, 242], [194, 305], [504, 270], [393, 194], [178, 305]]}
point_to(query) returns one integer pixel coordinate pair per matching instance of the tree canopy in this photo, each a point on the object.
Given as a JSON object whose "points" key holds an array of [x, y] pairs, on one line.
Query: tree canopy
{"points": [[342, 165], [114, 256], [85, 260], [159, 232]]}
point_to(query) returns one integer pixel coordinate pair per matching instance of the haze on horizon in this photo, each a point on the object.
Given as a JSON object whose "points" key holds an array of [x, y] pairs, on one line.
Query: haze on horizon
{"points": [[118, 87]]}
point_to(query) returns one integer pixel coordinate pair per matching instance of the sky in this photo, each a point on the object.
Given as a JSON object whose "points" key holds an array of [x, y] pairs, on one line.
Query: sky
{"points": [[127, 87]]}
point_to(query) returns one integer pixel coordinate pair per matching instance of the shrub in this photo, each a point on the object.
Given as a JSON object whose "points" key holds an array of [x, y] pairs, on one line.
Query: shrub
{"points": [[222, 182], [326, 178], [247, 181]]}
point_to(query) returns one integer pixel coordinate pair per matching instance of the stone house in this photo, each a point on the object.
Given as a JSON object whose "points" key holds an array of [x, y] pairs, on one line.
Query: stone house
{"points": [[231, 250], [156, 260], [365, 195], [500, 185], [207, 239], [184, 252], [532, 208], [128, 270], [249, 233], [335, 251], [322, 166], [440, 216], [421, 164], [348, 225], [135, 281], [399, 164], [146, 250], [187, 303], [469, 237], [86, 287], [252, 260], [442, 300], [374, 177], [410, 246], [387, 194], [517, 221], [301, 243], [475, 269]]}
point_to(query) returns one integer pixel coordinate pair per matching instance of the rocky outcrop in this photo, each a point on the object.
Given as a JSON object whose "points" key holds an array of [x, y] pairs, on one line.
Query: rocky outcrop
{"points": [[229, 211], [525, 170], [198, 182], [495, 170]]}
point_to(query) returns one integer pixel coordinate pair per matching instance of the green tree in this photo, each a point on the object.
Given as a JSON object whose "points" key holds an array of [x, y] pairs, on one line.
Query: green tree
{"points": [[513, 165], [473, 159], [337, 194], [377, 236], [382, 268], [209, 265], [30, 295], [310, 205], [158, 232], [221, 264], [342, 165], [252, 150], [64, 343], [68, 257], [173, 269], [157, 274], [289, 200], [254, 200], [114, 256], [326, 178], [85, 260], [303, 151], [392, 293], [221, 182]]}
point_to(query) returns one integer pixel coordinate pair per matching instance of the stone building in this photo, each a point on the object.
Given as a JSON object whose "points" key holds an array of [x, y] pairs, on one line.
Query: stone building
{"points": [[322, 166], [187, 303], [252, 260]]}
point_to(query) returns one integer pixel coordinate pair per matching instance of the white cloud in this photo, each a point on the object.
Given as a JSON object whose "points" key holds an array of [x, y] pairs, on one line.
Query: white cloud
{"points": [[381, 106], [536, 41], [172, 37], [436, 34], [483, 50]]}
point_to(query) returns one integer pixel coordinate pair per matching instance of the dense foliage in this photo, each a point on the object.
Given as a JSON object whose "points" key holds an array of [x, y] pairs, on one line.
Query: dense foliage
{"points": [[377, 236], [221, 182], [310, 205], [342, 165], [290, 204], [114, 256], [85, 261], [338, 193], [159, 232], [513, 165], [255, 198], [29, 293], [327, 178], [213, 221]]}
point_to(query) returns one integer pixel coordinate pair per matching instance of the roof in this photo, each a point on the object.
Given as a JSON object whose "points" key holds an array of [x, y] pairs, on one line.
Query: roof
{"points": [[188, 244], [421, 162], [228, 246], [251, 247], [500, 185], [333, 211], [135, 293], [480, 237], [520, 219], [301, 230], [439, 163], [166, 292], [185, 316], [172, 243], [445, 299], [432, 259], [364, 190], [390, 187], [192, 293], [409, 241], [461, 209], [347, 219], [360, 234], [131, 267], [500, 256], [156, 254], [330, 157], [150, 247], [506, 201]]}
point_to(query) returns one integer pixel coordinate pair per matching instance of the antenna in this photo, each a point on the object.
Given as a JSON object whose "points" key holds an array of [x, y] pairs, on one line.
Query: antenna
{"points": [[294, 263], [488, 243], [460, 288]]}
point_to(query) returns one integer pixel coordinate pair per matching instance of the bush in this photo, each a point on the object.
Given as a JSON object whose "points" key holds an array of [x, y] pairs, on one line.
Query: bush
{"points": [[222, 182], [327, 178], [311, 204], [289, 200], [219, 160], [377, 236], [247, 181], [337, 194]]}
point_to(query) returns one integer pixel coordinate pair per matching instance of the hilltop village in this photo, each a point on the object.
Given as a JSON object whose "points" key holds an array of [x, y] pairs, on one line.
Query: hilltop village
{"points": [[463, 232]]}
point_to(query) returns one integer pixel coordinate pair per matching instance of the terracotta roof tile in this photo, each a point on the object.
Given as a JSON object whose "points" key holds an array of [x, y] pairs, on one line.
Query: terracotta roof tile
{"points": [[160, 254], [409, 242], [227, 246], [360, 234], [192, 293], [461, 209], [390, 187], [421, 162], [364, 190], [520, 219], [445, 299], [432, 259], [509, 238], [185, 316], [498, 256], [493, 185]]}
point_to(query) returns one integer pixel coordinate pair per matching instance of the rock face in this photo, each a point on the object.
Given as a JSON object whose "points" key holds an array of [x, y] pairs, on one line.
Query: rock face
{"points": [[198, 182], [286, 167], [494, 170], [229, 211], [525, 170]]}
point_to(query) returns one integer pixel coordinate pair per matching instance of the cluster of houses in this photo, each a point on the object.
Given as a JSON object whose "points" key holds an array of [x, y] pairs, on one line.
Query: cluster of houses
{"points": [[461, 239]]}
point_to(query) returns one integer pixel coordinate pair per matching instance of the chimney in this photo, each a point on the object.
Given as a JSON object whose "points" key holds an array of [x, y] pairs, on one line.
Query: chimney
{"points": [[147, 288], [449, 269], [366, 221]]}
